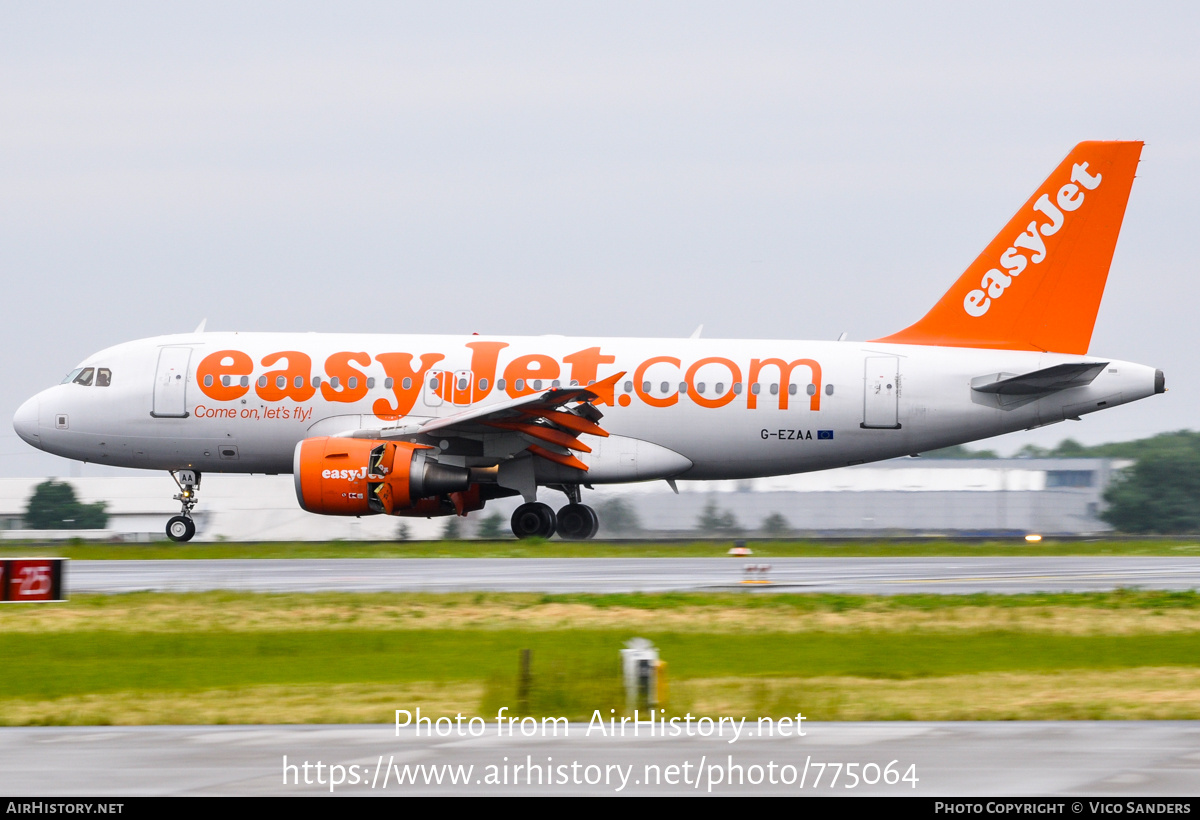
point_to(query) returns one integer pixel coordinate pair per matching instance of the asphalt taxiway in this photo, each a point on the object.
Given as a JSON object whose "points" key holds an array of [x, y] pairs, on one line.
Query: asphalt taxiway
{"points": [[877, 576]]}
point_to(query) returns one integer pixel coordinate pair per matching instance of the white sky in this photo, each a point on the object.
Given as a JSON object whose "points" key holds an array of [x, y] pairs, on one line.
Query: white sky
{"points": [[784, 170]]}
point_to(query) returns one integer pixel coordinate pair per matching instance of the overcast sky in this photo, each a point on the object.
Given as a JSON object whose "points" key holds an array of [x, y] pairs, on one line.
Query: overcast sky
{"points": [[771, 170]]}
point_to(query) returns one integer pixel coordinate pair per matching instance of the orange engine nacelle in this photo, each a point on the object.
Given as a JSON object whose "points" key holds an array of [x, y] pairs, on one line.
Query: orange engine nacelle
{"points": [[349, 476]]}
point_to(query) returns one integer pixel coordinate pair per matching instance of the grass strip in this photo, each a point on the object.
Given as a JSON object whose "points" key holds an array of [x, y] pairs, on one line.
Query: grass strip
{"points": [[812, 548], [1138, 694], [342, 657], [84, 662], [1116, 612]]}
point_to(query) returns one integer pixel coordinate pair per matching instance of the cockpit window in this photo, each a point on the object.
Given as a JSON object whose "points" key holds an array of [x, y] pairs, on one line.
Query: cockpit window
{"points": [[85, 376], [103, 377], [70, 377]]}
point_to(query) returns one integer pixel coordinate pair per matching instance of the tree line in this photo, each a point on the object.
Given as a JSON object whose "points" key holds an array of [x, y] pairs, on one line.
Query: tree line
{"points": [[1158, 495]]}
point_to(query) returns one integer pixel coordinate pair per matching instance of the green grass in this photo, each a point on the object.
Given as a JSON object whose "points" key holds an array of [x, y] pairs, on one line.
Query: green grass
{"points": [[149, 657], [55, 665], [604, 549], [1148, 600], [1138, 599]]}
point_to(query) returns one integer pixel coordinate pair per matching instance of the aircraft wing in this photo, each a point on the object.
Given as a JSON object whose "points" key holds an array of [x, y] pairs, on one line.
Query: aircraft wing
{"points": [[550, 421]]}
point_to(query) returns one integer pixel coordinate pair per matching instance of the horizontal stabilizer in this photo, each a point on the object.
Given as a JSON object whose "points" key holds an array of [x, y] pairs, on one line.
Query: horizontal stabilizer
{"points": [[1048, 380]]}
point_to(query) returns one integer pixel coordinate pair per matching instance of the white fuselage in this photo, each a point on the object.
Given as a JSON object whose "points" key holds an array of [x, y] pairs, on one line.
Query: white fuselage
{"points": [[693, 408]]}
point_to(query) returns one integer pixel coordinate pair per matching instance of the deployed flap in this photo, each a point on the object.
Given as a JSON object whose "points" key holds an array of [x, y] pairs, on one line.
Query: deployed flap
{"points": [[553, 417], [1048, 380], [1038, 285]]}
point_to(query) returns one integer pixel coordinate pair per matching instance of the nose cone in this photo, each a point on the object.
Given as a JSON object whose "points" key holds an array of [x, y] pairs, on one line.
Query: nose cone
{"points": [[25, 422]]}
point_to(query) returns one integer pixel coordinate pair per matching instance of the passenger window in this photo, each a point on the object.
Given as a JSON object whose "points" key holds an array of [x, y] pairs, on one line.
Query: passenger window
{"points": [[754, 388], [645, 387], [244, 381], [829, 390], [499, 384], [774, 390], [811, 390], [700, 387], [683, 387], [791, 389], [537, 384], [720, 388], [352, 383], [103, 377], [628, 387], [262, 381], [85, 377], [483, 383], [208, 381], [281, 382], [298, 381], [388, 382], [737, 388], [406, 384], [370, 382]]}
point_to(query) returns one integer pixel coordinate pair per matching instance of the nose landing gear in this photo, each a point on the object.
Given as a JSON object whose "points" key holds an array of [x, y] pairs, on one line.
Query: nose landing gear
{"points": [[181, 527]]}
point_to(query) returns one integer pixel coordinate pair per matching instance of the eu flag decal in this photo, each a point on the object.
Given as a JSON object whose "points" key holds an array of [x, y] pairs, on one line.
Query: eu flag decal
{"points": [[825, 434]]}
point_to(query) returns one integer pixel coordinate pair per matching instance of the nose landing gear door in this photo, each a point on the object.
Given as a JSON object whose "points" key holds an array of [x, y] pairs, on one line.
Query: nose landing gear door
{"points": [[881, 393], [170, 383]]}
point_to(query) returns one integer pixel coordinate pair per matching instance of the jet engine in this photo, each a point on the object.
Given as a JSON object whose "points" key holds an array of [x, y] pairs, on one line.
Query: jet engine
{"points": [[347, 476]]}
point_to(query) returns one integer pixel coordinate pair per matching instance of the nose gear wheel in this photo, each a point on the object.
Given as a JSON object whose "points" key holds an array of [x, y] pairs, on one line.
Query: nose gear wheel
{"points": [[181, 528]]}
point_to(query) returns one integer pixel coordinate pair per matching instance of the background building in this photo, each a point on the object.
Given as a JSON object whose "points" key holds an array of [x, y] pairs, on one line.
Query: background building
{"points": [[903, 496]]}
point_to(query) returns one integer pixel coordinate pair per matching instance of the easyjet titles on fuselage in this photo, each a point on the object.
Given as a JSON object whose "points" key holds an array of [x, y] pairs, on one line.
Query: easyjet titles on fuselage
{"points": [[228, 375]]}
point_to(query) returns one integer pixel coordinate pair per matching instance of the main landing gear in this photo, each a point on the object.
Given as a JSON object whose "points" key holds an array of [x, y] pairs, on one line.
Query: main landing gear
{"points": [[577, 522], [181, 527], [574, 522], [534, 520]]}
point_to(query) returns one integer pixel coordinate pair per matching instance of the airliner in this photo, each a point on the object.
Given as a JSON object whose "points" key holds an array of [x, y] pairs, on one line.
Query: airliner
{"points": [[380, 424]]}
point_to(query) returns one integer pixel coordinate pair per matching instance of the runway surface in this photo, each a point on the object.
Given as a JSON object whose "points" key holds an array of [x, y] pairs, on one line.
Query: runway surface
{"points": [[1120, 758], [879, 576]]}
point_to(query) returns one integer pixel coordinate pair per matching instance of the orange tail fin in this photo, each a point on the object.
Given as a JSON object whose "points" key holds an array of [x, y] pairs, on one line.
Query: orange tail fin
{"points": [[1038, 285]]}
